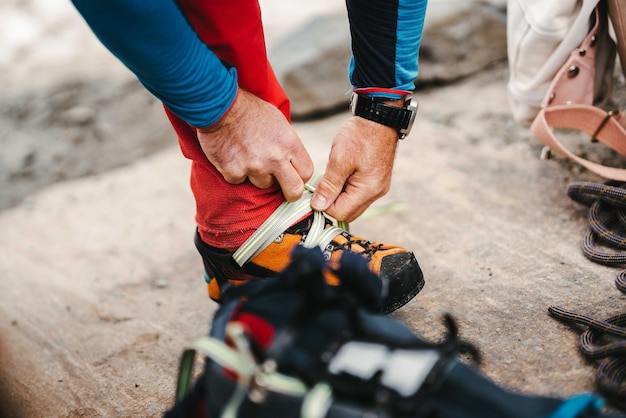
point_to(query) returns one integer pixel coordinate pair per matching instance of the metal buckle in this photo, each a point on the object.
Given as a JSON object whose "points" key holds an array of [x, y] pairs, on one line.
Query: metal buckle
{"points": [[608, 116]]}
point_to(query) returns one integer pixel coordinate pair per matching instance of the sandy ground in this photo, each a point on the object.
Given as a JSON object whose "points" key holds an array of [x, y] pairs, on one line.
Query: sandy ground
{"points": [[100, 285]]}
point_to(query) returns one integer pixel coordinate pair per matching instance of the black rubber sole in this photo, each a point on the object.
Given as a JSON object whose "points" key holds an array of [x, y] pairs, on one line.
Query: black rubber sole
{"points": [[405, 278]]}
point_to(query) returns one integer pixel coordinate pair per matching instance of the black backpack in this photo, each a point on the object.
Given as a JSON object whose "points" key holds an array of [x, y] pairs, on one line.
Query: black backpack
{"points": [[294, 346]]}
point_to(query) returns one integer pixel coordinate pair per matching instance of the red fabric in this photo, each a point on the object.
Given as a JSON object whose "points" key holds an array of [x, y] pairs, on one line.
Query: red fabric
{"points": [[228, 214], [261, 330]]}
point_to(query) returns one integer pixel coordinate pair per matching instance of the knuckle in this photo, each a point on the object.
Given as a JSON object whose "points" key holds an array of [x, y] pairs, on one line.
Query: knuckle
{"points": [[233, 177], [383, 191], [328, 185], [256, 168]]}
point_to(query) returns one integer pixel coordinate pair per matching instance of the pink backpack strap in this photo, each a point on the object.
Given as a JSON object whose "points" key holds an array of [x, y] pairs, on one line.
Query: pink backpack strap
{"points": [[569, 104], [600, 125]]}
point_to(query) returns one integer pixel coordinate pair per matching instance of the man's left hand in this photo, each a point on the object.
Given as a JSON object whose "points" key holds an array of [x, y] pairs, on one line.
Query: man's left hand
{"points": [[359, 169]]}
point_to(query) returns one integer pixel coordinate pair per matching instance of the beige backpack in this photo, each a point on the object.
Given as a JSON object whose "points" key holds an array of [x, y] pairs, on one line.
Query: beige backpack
{"points": [[561, 61]]}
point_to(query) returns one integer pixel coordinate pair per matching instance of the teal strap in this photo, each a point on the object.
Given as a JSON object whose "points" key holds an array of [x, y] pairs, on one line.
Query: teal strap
{"points": [[574, 406]]}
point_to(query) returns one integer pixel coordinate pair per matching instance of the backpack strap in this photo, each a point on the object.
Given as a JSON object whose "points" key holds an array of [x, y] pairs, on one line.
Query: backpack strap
{"points": [[569, 102], [600, 125]]}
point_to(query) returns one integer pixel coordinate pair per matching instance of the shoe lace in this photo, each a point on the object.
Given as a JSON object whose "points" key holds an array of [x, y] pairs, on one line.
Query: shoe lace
{"points": [[283, 217], [369, 248]]}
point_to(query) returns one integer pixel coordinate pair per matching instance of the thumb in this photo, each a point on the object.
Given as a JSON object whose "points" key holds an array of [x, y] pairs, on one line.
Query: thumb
{"points": [[326, 193]]}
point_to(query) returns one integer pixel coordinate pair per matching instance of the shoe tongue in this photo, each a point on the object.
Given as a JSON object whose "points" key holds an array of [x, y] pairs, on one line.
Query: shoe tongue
{"points": [[301, 225]]}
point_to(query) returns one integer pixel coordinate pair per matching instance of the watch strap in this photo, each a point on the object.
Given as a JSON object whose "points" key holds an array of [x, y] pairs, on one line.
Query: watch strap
{"points": [[399, 118]]}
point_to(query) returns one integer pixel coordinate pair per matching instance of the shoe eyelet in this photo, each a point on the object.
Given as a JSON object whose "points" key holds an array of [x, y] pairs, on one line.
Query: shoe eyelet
{"points": [[279, 239], [327, 254]]}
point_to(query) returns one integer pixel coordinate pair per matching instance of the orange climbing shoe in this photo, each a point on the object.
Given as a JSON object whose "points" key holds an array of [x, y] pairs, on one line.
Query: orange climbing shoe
{"points": [[260, 258], [268, 251]]}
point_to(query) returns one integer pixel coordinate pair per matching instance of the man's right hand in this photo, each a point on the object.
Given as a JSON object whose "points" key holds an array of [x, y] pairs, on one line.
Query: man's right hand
{"points": [[254, 141]]}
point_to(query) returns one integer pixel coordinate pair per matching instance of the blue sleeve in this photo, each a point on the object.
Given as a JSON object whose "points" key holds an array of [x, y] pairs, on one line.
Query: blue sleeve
{"points": [[155, 41], [386, 36]]}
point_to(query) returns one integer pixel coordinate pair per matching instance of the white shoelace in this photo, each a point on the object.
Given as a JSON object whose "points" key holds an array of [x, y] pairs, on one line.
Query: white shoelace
{"points": [[282, 218]]}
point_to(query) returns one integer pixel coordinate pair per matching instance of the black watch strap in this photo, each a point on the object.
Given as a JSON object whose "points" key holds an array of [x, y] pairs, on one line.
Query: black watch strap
{"points": [[400, 118]]}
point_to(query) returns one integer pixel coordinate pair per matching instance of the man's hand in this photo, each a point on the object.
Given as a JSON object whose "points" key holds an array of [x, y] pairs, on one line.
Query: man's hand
{"points": [[359, 169], [254, 141]]}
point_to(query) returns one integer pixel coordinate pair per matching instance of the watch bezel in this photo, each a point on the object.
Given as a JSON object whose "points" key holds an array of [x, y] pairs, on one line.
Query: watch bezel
{"points": [[411, 105]]}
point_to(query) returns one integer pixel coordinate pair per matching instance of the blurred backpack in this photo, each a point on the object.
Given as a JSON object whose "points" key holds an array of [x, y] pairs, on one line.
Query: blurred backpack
{"points": [[561, 67], [294, 346]]}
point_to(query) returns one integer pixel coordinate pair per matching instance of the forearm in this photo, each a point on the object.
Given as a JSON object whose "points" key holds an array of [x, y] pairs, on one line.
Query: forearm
{"points": [[154, 40], [386, 36]]}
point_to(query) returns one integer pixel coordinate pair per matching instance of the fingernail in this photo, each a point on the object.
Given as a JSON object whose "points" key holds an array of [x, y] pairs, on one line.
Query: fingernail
{"points": [[319, 202]]}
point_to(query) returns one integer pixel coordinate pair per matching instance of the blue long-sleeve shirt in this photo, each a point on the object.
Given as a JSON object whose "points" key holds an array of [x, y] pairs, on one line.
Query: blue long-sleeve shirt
{"points": [[386, 35], [155, 41]]}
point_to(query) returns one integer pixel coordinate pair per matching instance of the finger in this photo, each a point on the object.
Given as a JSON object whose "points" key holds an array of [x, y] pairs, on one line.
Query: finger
{"points": [[232, 178], [290, 182], [262, 181], [329, 188], [349, 205], [303, 164]]}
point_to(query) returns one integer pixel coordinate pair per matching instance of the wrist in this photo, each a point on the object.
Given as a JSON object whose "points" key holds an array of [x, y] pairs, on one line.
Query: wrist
{"points": [[374, 131], [223, 120]]}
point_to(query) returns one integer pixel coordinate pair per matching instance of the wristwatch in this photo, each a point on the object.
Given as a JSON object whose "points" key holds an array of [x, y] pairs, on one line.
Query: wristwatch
{"points": [[399, 118]]}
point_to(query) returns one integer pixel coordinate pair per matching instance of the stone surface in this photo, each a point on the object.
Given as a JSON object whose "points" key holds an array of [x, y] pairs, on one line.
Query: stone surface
{"points": [[311, 62], [460, 44], [89, 330], [74, 120], [101, 287]]}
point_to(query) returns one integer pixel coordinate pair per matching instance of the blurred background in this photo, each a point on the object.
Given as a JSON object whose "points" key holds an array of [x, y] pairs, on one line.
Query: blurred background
{"points": [[69, 109]]}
